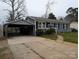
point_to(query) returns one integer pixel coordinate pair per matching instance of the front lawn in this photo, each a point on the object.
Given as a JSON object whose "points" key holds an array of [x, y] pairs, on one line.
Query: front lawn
{"points": [[70, 36]]}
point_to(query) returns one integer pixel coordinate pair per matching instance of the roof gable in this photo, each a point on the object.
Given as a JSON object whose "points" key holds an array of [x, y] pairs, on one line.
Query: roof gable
{"points": [[46, 19]]}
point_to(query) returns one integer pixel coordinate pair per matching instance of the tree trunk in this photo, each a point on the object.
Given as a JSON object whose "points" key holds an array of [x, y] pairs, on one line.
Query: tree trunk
{"points": [[13, 12]]}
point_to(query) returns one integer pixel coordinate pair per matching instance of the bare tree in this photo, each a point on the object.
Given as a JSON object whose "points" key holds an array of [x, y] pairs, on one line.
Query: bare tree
{"points": [[17, 10], [49, 3]]}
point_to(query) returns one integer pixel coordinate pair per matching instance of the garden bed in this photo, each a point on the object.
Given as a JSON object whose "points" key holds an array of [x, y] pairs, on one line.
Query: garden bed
{"points": [[50, 36]]}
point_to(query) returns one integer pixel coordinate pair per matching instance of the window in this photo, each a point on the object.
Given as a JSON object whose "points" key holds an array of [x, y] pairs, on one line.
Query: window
{"points": [[43, 24], [47, 24], [39, 25], [66, 26], [59, 25], [63, 26], [54, 24]]}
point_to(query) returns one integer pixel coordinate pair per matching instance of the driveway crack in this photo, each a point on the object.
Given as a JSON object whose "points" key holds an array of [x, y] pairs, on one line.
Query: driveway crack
{"points": [[33, 51]]}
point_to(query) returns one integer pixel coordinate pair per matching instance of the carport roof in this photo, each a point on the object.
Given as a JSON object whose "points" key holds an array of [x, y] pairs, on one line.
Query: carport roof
{"points": [[19, 22]]}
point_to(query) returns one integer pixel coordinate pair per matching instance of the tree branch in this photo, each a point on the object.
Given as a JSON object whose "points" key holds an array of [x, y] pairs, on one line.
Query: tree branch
{"points": [[6, 2]]}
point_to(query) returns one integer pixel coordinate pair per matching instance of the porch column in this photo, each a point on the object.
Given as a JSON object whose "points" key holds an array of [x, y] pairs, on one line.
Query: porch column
{"points": [[34, 31], [45, 25], [57, 25], [65, 26]]}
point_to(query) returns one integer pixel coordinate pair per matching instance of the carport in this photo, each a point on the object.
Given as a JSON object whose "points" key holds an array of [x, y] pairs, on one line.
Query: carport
{"points": [[18, 28]]}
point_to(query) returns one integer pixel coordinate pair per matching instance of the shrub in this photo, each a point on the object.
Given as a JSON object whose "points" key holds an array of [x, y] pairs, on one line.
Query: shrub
{"points": [[50, 31], [39, 32], [74, 30]]}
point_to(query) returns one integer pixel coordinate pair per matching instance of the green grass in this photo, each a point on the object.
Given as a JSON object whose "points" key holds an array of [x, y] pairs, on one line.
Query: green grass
{"points": [[70, 36], [50, 36], [1, 51]]}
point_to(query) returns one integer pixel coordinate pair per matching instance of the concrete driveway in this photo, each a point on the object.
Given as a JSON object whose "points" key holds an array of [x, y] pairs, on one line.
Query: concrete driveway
{"points": [[28, 47]]}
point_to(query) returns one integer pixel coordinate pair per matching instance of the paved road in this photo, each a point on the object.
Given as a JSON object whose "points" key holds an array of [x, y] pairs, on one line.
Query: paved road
{"points": [[40, 48]]}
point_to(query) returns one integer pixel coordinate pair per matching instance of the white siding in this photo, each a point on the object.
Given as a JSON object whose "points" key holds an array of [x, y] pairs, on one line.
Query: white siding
{"points": [[60, 26], [74, 25]]}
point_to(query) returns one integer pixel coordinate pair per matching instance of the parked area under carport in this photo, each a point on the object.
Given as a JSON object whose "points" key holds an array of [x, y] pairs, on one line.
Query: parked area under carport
{"points": [[18, 30]]}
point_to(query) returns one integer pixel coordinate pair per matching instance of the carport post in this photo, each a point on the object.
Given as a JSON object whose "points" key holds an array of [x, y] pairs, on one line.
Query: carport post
{"points": [[5, 30], [34, 31]]}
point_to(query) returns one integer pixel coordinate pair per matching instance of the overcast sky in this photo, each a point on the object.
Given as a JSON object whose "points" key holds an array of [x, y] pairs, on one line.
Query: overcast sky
{"points": [[38, 7]]}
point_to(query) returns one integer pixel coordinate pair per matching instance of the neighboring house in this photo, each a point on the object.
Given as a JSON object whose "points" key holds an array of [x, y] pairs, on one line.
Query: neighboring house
{"points": [[69, 18], [31, 24], [74, 25]]}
